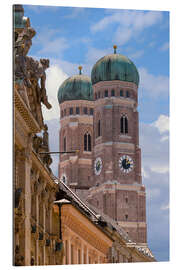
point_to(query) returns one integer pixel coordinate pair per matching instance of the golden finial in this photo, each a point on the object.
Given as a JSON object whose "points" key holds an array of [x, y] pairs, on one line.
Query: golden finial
{"points": [[80, 68], [115, 47]]}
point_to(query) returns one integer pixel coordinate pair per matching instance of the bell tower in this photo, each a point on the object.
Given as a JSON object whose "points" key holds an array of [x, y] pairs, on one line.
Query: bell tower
{"points": [[76, 132], [117, 188]]}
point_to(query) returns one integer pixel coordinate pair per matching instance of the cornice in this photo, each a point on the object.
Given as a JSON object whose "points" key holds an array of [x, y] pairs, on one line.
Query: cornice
{"points": [[25, 113]]}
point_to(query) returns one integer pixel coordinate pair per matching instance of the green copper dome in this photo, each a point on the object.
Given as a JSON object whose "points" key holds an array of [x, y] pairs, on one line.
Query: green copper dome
{"points": [[115, 67], [77, 87]]}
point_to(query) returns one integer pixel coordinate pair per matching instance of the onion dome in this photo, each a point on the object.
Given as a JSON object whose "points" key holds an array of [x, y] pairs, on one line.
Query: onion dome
{"points": [[114, 67], [77, 87]]}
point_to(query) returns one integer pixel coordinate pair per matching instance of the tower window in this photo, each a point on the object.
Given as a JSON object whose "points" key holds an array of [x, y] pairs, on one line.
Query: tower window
{"points": [[61, 113], [95, 96], [99, 94], [87, 142], [106, 93], [64, 112], [126, 217], [85, 110], [91, 111], [124, 124], [127, 94], [99, 128], [64, 144], [112, 93], [71, 111], [121, 93], [77, 110]]}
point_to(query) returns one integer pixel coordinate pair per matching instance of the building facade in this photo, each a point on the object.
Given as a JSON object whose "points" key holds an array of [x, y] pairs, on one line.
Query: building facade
{"points": [[114, 156], [52, 225]]}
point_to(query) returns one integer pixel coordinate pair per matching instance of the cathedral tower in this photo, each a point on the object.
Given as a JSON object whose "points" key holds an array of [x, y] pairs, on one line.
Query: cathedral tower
{"points": [[76, 132], [117, 184]]}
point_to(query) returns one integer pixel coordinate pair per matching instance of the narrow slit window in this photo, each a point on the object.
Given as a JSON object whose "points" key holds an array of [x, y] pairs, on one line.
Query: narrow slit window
{"points": [[89, 142], [71, 111], [124, 125], [121, 93], [106, 93], [64, 143], [85, 142], [99, 128], [77, 110], [112, 93]]}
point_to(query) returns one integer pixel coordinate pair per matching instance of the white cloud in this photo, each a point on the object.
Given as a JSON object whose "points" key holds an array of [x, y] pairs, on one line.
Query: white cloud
{"points": [[162, 124], [93, 55], [54, 78], [155, 150], [50, 41], [165, 207], [160, 169], [130, 23], [164, 47], [153, 85], [136, 54]]}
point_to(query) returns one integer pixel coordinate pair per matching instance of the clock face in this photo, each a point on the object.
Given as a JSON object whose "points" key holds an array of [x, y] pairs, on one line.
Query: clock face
{"points": [[98, 166], [64, 178], [126, 164]]}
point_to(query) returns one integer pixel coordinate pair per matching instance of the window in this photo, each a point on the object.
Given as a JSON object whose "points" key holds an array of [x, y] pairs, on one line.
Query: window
{"points": [[87, 142], [71, 111], [61, 113], [79, 256], [85, 110], [124, 124], [121, 93], [112, 93], [99, 94], [99, 128], [72, 254], [126, 217], [106, 93], [91, 111], [64, 144], [85, 257], [95, 96], [127, 94], [77, 110], [64, 112]]}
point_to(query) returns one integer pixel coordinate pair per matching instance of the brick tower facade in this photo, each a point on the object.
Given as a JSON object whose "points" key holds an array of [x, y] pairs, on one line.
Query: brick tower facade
{"points": [[76, 133], [117, 188], [107, 169]]}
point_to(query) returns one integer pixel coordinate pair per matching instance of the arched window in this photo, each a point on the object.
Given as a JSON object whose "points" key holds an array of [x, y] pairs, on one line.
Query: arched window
{"points": [[127, 94], [106, 93], [121, 93], [64, 144], [99, 128], [112, 93], [87, 142], [124, 124]]}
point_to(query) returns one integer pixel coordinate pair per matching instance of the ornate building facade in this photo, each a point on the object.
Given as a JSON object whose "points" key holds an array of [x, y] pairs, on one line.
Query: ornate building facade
{"points": [[52, 224]]}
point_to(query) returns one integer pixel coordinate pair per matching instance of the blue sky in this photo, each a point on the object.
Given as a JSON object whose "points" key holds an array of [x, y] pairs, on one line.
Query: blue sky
{"points": [[73, 36]]}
